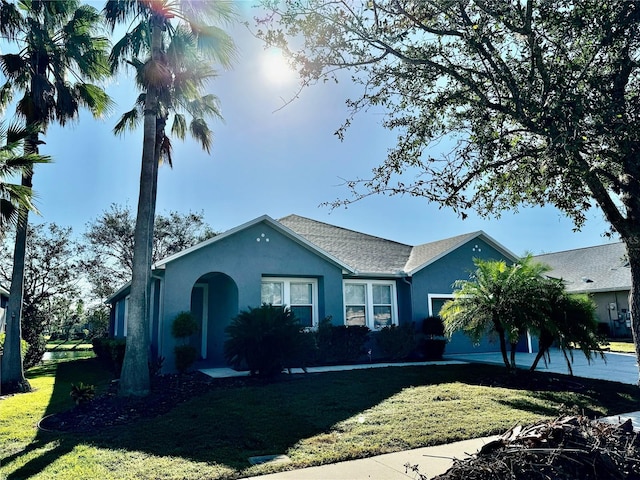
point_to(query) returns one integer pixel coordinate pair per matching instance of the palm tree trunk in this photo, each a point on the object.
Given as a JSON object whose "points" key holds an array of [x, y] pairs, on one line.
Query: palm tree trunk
{"points": [[13, 380], [545, 341], [134, 379], [503, 343]]}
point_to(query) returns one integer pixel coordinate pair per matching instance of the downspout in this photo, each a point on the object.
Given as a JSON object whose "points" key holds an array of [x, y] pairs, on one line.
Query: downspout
{"points": [[405, 278]]}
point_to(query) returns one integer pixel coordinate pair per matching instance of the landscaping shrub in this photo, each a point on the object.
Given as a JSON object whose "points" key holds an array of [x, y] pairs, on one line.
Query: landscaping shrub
{"points": [[82, 393], [433, 327], [110, 351], [182, 328], [184, 325], [24, 345], [266, 340], [339, 343], [186, 355], [396, 342], [434, 343], [35, 352]]}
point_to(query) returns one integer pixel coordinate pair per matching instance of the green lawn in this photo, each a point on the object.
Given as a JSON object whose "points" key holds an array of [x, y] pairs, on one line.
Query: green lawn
{"points": [[56, 345], [621, 346], [314, 419]]}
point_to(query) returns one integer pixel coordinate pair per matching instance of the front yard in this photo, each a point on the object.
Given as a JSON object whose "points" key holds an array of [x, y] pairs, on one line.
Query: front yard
{"points": [[313, 419]]}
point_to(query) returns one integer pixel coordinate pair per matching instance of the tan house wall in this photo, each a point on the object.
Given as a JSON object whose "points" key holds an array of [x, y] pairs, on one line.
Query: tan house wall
{"points": [[614, 317]]}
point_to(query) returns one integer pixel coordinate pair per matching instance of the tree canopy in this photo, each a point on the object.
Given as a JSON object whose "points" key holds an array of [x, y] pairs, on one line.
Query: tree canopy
{"points": [[108, 258], [496, 104], [52, 281]]}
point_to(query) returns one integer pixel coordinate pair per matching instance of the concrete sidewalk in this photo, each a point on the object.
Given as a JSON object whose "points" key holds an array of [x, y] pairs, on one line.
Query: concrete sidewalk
{"points": [[431, 461]]}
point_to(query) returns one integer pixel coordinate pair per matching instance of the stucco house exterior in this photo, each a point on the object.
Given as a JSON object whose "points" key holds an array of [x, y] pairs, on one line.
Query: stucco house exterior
{"points": [[602, 272], [317, 269]]}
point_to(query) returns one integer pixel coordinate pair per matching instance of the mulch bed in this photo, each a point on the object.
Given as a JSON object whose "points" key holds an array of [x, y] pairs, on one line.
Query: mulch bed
{"points": [[566, 448], [108, 409]]}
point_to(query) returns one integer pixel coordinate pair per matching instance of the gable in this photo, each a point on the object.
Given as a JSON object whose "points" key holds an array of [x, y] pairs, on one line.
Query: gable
{"points": [[268, 221], [424, 255]]}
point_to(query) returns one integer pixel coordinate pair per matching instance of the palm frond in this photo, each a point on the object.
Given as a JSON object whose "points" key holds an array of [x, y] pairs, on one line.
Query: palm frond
{"points": [[128, 121], [94, 98], [11, 22], [179, 126], [217, 45], [166, 152], [201, 132], [13, 66], [6, 95], [119, 11], [133, 43]]}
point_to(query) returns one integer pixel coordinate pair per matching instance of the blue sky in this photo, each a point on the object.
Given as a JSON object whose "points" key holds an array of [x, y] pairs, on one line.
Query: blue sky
{"points": [[269, 162]]}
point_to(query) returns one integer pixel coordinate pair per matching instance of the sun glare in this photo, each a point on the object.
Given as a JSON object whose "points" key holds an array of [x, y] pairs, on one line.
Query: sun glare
{"points": [[275, 67]]}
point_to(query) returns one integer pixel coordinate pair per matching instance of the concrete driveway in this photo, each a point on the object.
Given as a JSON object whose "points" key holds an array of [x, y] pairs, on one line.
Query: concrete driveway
{"points": [[616, 367]]}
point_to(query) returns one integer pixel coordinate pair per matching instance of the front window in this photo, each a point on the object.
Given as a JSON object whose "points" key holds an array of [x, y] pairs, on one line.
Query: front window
{"points": [[370, 303], [382, 306], [355, 304], [299, 294]]}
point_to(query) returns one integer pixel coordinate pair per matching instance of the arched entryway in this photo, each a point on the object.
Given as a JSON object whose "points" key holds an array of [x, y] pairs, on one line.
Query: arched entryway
{"points": [[214, 302]]}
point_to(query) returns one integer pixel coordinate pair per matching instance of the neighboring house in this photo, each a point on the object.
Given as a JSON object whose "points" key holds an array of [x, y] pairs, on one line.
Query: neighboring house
{"points": [[602, 272], [4, 299], [318, 270]]}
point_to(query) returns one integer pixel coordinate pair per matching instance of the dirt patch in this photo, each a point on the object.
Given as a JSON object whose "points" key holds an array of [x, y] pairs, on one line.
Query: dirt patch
{"points": [[108, 409]]}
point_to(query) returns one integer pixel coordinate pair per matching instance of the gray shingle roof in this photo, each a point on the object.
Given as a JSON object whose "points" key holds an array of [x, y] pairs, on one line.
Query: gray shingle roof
{"points": [[591, 269], [426, 252], [367, 253], [364, 253]]}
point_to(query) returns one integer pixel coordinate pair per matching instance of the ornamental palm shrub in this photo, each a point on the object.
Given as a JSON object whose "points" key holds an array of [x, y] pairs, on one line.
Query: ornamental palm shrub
{"points": [[265, 340]]}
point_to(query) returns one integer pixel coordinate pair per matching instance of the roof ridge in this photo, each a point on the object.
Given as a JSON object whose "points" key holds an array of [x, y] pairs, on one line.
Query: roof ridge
{"points": [[469, 234], [580, 248], [293, 215]]}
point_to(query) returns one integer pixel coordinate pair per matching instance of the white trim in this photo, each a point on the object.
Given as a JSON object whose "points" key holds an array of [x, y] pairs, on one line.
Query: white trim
{"points": [[115, 319], [286, 292], [160, 316], [271, 222], [370, 321], [152, 292], [205, 318], [431, 296], [126, 315]]}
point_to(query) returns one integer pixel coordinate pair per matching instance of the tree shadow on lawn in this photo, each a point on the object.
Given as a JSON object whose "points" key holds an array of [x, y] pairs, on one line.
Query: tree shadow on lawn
{"points": [[230, 423]]}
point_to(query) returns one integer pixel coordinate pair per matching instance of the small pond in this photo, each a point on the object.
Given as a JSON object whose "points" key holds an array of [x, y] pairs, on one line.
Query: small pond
{"points": [[58, 354]]}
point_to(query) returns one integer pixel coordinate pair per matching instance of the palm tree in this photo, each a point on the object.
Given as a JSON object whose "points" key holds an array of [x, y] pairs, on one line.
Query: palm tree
{"points": [[58, 52], [13, 162], [500, 298], [167, 80], [569, 321]]}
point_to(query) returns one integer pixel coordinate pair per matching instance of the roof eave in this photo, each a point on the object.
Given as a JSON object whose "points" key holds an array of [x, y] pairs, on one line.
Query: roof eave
{"points": [[118, 293]]}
